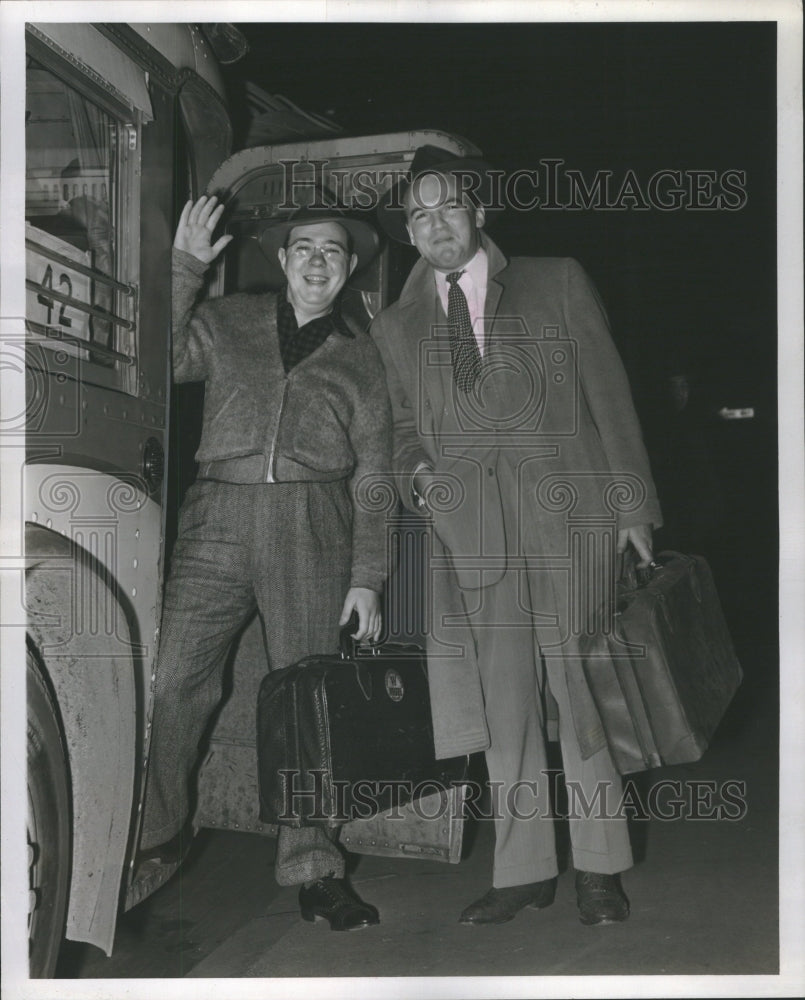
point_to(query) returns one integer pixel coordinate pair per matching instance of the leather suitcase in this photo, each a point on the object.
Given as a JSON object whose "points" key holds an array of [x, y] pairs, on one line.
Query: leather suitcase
{"points": [[664, 678], [344, 737]]}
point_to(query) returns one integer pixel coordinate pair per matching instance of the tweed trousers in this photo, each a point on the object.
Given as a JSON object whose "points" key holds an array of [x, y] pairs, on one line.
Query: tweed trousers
{"points": [[284, 549]]}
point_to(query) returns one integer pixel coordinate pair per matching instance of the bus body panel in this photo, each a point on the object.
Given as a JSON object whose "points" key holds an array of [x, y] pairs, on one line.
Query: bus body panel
{"points": [[85, 47], [71, 605], [110, 161], [184, 47]]}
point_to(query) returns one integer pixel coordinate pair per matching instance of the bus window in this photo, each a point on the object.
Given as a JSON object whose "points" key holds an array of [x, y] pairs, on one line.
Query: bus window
{"points": [[72, 198]]}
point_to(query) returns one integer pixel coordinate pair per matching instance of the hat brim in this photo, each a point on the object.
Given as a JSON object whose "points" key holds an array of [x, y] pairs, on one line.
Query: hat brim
{"points": [[364, 238], [391, 207]]}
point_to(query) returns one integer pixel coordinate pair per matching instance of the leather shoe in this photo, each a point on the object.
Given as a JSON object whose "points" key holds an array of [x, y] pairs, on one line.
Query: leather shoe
{"points": [[601, 898], [500, 905], [334, 900]]}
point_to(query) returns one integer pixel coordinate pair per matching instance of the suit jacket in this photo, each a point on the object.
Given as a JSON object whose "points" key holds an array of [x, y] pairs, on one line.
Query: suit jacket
{"points": [[554, 404]]}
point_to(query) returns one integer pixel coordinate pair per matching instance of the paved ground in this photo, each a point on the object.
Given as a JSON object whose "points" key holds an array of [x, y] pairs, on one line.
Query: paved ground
{"points": [[704, 894]]}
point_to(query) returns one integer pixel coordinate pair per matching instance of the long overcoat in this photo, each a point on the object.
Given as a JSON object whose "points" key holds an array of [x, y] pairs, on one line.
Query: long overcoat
{"points": [[549, 441]]}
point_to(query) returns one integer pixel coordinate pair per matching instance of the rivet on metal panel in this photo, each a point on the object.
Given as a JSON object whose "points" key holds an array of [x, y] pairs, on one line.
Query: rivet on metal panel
{"points": [[133, 591], [134, 563], [49, 523], [34, 516]]}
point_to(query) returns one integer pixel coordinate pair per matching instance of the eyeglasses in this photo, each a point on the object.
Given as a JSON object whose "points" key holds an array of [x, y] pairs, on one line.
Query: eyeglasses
{"points": [[303, 250]]}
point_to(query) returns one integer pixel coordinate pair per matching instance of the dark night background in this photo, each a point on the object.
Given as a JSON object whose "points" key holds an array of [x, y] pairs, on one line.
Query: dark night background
{"points": [[682, 287], [688, 292]]}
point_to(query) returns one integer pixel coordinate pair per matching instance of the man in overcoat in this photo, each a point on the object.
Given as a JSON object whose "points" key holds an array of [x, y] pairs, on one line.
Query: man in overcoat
{"points": [[296, 415], [515, 435]]}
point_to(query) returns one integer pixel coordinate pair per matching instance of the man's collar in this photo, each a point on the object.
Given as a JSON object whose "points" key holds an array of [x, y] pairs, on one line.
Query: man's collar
{"points": [[476, 268], [417, 282]]}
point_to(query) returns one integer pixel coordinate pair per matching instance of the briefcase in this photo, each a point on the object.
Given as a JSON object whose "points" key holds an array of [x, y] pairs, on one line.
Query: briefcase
{"points": [[663, 679], [346, 736]]}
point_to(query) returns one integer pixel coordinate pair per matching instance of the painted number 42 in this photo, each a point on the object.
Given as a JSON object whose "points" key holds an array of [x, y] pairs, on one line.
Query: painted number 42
{"points": [[49, 303]]}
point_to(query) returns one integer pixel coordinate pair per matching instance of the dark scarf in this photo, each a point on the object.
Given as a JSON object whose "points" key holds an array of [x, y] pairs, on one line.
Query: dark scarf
{"points": [[297, 342]]}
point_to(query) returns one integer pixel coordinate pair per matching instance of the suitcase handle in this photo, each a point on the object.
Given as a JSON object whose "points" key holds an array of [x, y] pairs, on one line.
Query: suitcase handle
{"points": [[349, 648], [346, 644], [631, 577]]}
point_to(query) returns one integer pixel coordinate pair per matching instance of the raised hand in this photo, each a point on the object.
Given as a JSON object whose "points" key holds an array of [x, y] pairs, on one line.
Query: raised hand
{"points": [[195, 229]]}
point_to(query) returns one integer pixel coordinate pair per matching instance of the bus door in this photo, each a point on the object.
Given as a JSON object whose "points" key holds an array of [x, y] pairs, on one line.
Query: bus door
{"points": [[259, 184]]}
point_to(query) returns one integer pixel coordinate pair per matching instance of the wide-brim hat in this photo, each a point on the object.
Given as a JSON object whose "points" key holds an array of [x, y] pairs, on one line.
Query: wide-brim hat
{"points": [[475, 176], [364, 238]]}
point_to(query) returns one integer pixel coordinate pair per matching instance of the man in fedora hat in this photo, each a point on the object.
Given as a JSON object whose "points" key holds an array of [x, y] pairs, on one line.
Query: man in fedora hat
{"points": [[515, 435], [295, 415]]}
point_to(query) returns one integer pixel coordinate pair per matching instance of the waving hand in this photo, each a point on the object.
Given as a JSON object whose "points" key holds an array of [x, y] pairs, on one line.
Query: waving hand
{"points": [[195, 229]]}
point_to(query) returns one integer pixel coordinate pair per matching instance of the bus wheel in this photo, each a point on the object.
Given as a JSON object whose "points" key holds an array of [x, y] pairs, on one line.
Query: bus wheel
{"points": [[48, 828]]}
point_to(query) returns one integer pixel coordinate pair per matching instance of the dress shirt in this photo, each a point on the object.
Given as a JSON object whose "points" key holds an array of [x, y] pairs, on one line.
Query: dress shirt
{"points": [[473, 283]]}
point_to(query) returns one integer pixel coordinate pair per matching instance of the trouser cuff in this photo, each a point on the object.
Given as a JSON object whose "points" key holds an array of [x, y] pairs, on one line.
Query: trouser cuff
{"points": [[540, 871], [602, 864]]}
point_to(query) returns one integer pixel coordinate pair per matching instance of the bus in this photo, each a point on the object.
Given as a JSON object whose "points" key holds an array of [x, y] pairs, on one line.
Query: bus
{"points": [[124, 123]]}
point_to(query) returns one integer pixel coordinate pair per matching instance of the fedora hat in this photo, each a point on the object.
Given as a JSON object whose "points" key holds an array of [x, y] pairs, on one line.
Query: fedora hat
{"points": [[365, 241], [474, 174]]}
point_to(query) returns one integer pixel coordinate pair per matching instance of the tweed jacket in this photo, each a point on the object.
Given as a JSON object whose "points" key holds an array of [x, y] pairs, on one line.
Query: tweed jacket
{"points": [[327, 419], [556, 401]]}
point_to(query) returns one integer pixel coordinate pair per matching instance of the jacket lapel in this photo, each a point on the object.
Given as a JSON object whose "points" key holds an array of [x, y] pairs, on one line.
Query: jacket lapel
{"points": [[419, 314], [495, 286]]}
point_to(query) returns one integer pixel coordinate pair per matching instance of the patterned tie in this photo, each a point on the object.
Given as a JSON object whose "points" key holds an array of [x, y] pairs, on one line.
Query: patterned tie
{"points": [[464, 351]]}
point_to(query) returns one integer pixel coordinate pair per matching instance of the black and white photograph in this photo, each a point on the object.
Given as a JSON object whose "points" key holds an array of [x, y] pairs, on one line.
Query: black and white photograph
{"points": [[401, 452]]}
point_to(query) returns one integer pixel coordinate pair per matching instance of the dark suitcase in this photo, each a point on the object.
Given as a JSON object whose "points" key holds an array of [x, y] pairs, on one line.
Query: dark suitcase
{"points": [[664, 678], [343, 737]]}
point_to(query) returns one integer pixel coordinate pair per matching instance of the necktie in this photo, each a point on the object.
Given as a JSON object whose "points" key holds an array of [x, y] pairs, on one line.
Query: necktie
{"points": [[464, 351]]}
